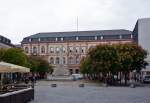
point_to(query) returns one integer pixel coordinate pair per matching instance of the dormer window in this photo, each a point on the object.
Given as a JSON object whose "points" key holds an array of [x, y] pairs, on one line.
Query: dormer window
{"points": [[29, 39], [62, 38], [131, 36], [102, 37], [56, 39], [120, 37], [77, 38], [95, 37]]}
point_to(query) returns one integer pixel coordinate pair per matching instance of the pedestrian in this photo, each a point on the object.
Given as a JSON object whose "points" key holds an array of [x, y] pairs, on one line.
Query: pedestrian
{"points": [[26, 80], [32, 81]]}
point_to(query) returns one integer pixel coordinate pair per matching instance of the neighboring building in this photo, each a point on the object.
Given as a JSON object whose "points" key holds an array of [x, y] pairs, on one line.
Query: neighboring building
{"points": [[5, 43], [142, 30], [142, 34], [64, 50], [18, 46]]}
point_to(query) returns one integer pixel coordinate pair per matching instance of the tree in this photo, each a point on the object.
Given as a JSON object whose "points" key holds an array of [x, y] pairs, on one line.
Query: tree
{"points": [[109, 60], [2, 52], [13, 55], [39, 65], [86, 66], [131, 57]]}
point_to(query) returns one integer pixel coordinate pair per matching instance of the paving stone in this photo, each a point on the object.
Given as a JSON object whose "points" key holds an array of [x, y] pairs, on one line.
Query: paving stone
{"points": [[70, 92]]}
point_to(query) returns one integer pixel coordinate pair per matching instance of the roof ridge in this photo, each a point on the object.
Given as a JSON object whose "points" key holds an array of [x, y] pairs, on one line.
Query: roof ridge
{"points": [[80, 33]]}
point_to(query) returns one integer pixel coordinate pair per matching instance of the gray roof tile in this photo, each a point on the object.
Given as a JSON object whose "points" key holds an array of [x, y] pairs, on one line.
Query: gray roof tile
{"points": [[81, 33]]}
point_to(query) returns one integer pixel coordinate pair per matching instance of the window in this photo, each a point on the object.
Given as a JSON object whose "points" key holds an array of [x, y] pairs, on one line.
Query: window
{"points": [[51, 60], [70, 60], [57, 50], [42, 49], [83, 50], [64, 60], [128, 36], [86, 37], [34, 39], [47, 39], [71, 49], [111, 37], [26, 50], [77, 60], [51, 50], [57, 60], [77, 71], [100, 37], [62, 38], [71, 71], [58, 38], [34, 49], [69, 38], [77, 49], [64, 49]]}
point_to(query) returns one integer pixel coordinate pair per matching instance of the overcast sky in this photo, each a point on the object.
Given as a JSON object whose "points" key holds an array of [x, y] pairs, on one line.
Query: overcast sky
{"points": [[21, 18]]}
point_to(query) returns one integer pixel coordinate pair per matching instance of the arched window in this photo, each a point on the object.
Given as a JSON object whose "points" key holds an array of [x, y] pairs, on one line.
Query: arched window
{"points": [[57, 60], [42, 49], [64, 49], [77, 71], [64, 60], [71, 60], [51, 60], [83, 50], [34, 49], [57, 50], [71, 49], [51, 50], [26, 50], [77, 49], [77, 60]]}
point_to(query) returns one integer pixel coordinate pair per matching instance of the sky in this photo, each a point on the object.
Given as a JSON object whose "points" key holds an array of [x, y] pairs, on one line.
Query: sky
{"points": [[22, 18]]}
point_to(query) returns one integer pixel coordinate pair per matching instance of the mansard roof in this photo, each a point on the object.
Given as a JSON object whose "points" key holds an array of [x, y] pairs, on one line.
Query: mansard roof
{"points": [[81, 33]]}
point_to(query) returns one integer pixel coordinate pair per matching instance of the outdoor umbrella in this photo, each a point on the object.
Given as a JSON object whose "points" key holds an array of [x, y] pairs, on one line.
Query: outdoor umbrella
{"points": [[11, 68]]}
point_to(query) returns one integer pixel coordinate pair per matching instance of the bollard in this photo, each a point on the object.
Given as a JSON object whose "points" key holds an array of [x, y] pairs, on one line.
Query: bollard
{"points": [[53, 85], [132, 85], [81, 85]]}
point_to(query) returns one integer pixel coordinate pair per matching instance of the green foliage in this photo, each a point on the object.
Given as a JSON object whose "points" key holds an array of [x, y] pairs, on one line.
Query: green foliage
{"points": [[13, 55], [39, 65], [85, 65], [16, 56], [113, 59], [2, 52]]}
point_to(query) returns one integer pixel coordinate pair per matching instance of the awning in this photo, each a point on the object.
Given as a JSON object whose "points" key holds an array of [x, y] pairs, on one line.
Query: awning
{"points": [[11, 68]]}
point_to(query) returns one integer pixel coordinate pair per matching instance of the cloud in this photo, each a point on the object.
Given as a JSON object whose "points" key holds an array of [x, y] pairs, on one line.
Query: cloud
{"points": [[21, 18]]}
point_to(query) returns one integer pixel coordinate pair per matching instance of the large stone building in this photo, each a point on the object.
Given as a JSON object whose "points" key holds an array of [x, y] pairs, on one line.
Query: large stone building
{"points": [[5, 43], [64, 50]]}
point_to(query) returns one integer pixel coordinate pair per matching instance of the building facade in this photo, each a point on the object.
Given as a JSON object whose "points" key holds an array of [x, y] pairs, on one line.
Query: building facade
{"points": [[142, 34], [64, 50], [5, 42]]}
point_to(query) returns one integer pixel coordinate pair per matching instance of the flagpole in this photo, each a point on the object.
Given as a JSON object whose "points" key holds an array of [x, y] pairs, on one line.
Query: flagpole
{"points": [[77, 24]]}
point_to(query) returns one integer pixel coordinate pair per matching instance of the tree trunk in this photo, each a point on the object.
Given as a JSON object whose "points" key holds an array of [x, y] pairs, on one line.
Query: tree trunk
{"points": [[120, 77], [125, 78]]}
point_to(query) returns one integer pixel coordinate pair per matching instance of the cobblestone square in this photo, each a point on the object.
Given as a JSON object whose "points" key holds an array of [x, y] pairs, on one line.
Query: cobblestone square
{"points": [[70, 92]]}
